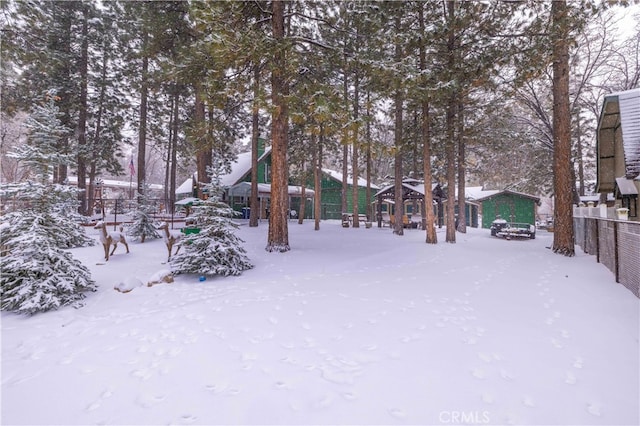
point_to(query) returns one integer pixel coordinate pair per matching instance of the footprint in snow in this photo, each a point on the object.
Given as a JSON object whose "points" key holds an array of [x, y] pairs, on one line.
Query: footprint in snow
{"points": [[556, 344], [479, 373], [282, 385], [188, 418], [147, 401], [570, 378], [350, 396], [397, 413], [485, 357], [577, 363], [594, 408]]}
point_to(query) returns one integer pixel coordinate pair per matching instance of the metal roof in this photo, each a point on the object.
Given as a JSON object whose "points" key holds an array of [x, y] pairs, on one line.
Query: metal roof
{"points": [[626, 186]]}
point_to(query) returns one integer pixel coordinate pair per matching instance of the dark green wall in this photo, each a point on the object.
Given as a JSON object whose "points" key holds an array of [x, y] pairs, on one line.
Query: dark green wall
{"points": [[510, 207], [331, 198]]}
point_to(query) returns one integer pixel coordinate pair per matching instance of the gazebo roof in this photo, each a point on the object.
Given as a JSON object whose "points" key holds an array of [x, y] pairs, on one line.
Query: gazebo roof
{"points": [[411, 189]]}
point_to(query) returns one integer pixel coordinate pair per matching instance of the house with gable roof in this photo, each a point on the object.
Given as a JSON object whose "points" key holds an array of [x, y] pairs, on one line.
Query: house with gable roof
{"points": [[237, 185], [618, 150]]}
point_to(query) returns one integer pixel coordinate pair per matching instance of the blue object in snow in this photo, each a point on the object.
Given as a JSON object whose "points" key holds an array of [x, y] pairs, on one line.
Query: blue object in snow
{"points": [[202, 278]]}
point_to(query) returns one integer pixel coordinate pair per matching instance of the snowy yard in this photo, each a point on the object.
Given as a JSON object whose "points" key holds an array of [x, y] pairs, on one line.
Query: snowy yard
{"points": [[350, 326]]}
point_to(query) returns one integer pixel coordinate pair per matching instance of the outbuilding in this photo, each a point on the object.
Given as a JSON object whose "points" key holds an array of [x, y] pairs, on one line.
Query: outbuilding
{"points": [[509, 205]]}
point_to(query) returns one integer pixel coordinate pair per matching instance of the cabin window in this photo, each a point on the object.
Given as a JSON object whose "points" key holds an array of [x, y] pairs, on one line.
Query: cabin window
{"points": [[267, 173]]}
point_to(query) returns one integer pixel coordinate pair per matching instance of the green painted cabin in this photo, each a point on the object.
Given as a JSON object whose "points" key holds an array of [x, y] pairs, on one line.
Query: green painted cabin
{"points": [[510, 206]]}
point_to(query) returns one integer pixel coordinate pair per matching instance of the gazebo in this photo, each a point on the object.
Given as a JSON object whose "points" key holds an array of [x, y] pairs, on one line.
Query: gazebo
{"points": [[413, 192]]}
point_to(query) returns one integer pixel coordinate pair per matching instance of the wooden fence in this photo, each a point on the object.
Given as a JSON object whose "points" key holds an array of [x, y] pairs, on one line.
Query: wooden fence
{"points": [[615, 243]]}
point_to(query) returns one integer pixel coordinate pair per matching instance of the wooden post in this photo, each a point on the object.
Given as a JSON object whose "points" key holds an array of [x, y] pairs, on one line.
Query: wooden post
{"points": [[615, 250]]}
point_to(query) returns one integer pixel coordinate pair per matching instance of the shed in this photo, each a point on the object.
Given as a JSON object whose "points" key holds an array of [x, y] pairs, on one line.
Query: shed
{"points": [[509, 205], [618, 149]]}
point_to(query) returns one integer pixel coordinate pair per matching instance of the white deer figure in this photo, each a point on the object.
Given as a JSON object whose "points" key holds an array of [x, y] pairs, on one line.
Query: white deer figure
{"points": [[171, 238], [111, 239]]}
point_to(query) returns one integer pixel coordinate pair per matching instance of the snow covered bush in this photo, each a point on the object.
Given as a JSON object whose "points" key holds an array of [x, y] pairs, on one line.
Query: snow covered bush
{"points": [[54, 206], [37, 274], [215, 250]]}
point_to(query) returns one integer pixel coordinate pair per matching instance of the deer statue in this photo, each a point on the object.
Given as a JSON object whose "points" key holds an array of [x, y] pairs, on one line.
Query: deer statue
{"points": [[171, 238], [111, 239]]}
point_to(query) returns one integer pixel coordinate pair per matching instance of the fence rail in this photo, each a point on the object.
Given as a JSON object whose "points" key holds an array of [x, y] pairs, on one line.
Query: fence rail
{"points": [[615, 243]]}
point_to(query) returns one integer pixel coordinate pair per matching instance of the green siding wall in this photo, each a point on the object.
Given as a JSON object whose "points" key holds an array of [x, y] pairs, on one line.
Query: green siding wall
{"points": [[511, 207], [331, 198]]}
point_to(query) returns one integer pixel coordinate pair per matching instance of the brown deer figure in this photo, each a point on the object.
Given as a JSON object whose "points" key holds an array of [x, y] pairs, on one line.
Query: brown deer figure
{"points": [[110, 239], [171, 238]]}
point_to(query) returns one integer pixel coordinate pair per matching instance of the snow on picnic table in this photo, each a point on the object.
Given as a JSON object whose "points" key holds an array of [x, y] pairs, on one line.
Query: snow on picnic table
{"points": [[350, 326]]}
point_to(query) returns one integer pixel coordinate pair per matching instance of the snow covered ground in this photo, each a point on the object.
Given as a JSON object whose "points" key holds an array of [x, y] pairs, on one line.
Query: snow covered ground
{"points": [[350, 326]]}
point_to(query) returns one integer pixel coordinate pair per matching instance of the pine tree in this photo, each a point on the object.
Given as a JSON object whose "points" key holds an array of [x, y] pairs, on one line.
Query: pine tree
{"points": [[215, 250], [143, 223], [37, 274]]}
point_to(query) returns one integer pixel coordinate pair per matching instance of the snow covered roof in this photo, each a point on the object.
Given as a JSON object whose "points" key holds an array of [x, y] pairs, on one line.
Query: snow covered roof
{"points": [[618, 126], [489, 194], [186, 187], [626, 186], [629, 105], [476, 192], [187, 201], [112, 183], [244, 188], [410, 184], [239, 169], [338, 176]]}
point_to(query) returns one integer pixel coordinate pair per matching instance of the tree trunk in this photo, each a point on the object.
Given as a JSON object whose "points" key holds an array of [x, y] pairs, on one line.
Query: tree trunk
{"points": [[399, 202], [450, 143], [203, 148], [317, 176], [303, 188], [278, 235], [428, 218], [563, 236], [255, 134], [368, 155], [82, 114], [345, 141], [142, 131], [174, 146], [354, 153], [462, 214], [96, 136]]}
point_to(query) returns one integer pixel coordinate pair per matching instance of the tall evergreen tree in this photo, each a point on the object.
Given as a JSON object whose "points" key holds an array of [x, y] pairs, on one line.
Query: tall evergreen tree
{"points": [[37, 274], [563, 182], [278, 235]]}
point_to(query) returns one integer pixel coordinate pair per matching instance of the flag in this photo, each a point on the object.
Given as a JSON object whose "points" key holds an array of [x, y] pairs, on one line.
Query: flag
{"points": [[132, 168]]}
